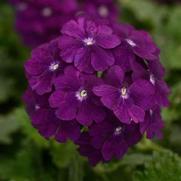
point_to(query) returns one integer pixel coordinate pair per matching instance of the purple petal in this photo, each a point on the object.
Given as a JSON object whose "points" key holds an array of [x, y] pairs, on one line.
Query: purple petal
{"points": [[88, 113], [161, 93], [67, 108], [68, 82], [107, 150], [101, 59], [104, 90], [82, 60], [66, 112], [68, 130], [56, 97], [42, 84], [33, 67], [108, 41], [124, 56], [104, 30], [122, 113], [115, 76], [109, 95], [136, 113], [142, 88], [120, 149], [69, 47], [73, 29]]}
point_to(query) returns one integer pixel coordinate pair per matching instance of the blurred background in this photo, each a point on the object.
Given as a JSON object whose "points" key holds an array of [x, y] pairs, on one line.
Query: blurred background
{"points": [[26, 156]]}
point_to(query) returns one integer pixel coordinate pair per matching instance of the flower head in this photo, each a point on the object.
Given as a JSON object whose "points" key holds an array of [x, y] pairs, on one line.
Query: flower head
{"points": [[104, 9], [43, 67], [44, 119], [86, 149], [99, 84], [74, 98], [114, 138], [87, 44], [108, 139], [40, 21], [153, 124], [154, 73], [128, 102]]}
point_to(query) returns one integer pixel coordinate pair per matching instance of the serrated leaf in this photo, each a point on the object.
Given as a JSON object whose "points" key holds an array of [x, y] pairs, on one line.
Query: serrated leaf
{"points": [[135, 159], [164, 166]]}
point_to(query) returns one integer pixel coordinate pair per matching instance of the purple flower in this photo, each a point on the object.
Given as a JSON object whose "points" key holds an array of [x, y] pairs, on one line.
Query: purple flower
{"points": [[86, 149], [39, 21], [100, 84], [104, 9], [85, 42], [135, 42], [44, 119], [74, 98], [128, 102], [153, 72], [153, 124], [114, 138], [43, 67]]}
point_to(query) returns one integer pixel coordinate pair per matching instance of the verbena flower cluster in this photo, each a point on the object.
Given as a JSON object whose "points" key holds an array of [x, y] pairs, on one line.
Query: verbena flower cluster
{"points": [[98, 84], [39, 21]]}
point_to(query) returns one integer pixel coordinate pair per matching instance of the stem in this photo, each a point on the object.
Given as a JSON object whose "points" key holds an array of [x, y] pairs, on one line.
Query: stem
{"points": [[149, 145]]}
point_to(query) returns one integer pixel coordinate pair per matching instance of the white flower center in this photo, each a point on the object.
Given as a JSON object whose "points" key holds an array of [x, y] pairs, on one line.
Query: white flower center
{"points": [[118, 131], [37, 107], [54, 66], [152, 79], [151, 112], [89, 41], [47, 12], [124, 93], [81, 95], [22, 6], [103, 11], [131, 42]]}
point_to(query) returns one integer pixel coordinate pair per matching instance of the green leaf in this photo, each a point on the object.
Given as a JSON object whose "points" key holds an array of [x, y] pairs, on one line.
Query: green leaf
{"points": [[76, 168], [173, 113], [173, 27], [135, 159], [164, 166], [62, 154], [24, 165], [145, 11], [8, 125], [6, 86]]}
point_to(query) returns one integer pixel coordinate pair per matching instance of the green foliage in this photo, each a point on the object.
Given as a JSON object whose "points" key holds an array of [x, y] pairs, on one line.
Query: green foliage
{"points": [[63, 154], [11, 58], [173, 112], [163, 166], [8, 125]]}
